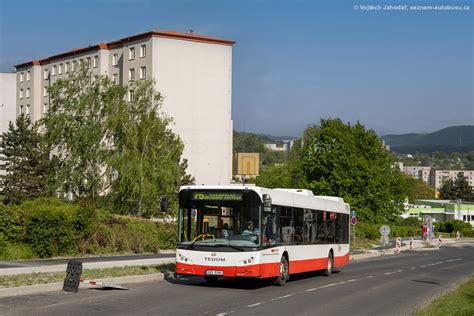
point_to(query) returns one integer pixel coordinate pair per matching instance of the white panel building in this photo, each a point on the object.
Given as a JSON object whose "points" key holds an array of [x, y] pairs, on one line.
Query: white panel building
{"points": [[7, 100], [192, 72]]}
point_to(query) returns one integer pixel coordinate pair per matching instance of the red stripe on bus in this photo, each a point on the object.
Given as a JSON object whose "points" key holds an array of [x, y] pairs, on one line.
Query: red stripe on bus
{"points": [[264, 270]]}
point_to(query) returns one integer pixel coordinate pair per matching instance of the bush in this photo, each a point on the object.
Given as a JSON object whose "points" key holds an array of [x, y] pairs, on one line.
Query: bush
{"points": [[3, 245], [453, 226], [11, 223]]}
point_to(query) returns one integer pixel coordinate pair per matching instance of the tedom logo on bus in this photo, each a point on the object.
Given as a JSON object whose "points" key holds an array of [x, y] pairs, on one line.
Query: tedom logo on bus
{"points": [[214, 259]]}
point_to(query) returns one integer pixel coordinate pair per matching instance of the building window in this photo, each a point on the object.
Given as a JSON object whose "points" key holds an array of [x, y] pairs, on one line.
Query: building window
{"points": [[45, 74], [28, 109], [28, 75], [27, 92], [45, 91], [22, 111], [131, 74], [131, 53], [142, 51], [21, 93], [60, 69], [73, 65], [66, 67], [55, 70], [45, 108], [142, 72], [88, 60], [115, 78], [21, 77], [115, 60], [131, 95], [95, 61]]}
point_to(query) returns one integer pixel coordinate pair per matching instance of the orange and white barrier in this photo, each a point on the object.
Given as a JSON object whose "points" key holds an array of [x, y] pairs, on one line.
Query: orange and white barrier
{"points": [[440, 240], [398, 245], [411, 243]]}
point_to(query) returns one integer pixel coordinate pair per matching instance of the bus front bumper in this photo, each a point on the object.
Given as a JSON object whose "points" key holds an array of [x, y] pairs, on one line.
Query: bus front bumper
{"points": [[253, 271]]}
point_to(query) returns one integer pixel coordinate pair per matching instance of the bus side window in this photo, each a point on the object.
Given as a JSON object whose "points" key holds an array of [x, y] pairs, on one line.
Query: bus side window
{"points": [[286, 225], [298, 225], [309, 227]]}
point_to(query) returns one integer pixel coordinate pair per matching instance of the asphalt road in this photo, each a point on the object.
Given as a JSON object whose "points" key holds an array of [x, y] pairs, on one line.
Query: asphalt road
{"points": [[392, 285]]}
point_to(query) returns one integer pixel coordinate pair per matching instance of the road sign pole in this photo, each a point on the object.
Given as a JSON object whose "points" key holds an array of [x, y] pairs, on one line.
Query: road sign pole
{"points": [[354, 235]]}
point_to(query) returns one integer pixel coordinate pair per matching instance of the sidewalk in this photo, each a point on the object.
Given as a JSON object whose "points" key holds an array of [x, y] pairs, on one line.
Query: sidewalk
{"points": [[86, 265]]}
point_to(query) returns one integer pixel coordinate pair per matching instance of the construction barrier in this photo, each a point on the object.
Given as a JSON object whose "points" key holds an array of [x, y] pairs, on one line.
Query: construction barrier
{"points": [[440, 240], [411, 243], [398, 245], [105, 285]]}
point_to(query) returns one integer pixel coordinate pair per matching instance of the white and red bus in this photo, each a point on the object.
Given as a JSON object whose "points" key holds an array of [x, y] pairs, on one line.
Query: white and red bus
{"points": [[240, 232]]}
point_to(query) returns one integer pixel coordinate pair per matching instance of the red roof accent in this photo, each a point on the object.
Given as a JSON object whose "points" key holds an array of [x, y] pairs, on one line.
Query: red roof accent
{"points": [[115, 44]]}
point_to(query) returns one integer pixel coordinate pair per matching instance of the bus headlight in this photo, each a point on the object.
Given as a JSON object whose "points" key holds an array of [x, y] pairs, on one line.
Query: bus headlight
{"points": [[182, 258], [249, 260]]}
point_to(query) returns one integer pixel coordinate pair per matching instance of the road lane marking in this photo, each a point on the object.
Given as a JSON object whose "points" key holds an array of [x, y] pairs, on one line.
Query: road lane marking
{"points": [[453, 260], [369, 277], [256, 304], [412, 268]]}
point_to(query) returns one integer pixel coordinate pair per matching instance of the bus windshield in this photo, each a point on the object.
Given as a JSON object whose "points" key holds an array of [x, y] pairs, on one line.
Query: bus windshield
{"points": [[219, 220]]}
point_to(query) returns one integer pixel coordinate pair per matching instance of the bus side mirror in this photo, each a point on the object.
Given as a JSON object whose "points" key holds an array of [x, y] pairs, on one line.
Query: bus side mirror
{"points": [[164, 204], [267, 203]]}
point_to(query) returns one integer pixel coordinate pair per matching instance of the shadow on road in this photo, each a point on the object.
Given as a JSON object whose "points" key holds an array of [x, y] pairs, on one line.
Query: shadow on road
{"points": [[240, 283]]}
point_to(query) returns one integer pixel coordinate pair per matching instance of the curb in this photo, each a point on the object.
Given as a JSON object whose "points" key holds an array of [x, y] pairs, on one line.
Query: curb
{"points": [[58, 286]]}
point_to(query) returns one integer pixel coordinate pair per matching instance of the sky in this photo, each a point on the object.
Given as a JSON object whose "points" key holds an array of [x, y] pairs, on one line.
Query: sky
{"points": [[294, 62]]}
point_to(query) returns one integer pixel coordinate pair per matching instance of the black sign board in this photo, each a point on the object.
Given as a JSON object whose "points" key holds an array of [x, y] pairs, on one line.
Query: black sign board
{"points": [[217, 196], [73, 276]]}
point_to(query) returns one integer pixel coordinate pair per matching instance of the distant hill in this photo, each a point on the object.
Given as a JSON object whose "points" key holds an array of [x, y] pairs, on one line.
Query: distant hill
{"points": [[449, 139]]}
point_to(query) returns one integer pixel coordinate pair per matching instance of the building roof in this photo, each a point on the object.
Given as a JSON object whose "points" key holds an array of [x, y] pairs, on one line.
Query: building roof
{"points": [[119, 43]]}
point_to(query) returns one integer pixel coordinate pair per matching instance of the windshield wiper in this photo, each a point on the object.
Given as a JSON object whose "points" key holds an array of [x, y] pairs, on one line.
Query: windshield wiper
{"points": [[228, 245]]}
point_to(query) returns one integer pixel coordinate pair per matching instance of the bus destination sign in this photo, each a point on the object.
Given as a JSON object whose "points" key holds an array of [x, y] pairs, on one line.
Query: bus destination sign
{"points": [[217, 196]]}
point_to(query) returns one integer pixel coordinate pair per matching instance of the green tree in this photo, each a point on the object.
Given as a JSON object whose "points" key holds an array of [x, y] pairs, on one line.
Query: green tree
{"points": [[447, 191], [77, 128], [417, 189], [276, 176], [26, 162], [145, 163], [463, 189], [351, 162]]}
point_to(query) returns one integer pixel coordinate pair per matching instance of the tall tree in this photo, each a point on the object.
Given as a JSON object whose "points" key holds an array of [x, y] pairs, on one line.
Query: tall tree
{"points": [[351, 162], [463, 189], [145, 163], [459, 189], [26, 162], [77, 128], [417, 189]]}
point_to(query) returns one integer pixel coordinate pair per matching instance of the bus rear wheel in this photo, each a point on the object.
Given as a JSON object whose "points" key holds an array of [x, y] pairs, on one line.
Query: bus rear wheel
{"points": [[284, 276], [330, 267]]}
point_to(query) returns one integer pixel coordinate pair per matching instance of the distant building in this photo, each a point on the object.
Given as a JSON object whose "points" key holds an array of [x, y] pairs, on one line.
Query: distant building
{"points": [[246, 165], [441, 210], [418, 172], [192, 72], [437, 177], [7, 100], [277, 147]]}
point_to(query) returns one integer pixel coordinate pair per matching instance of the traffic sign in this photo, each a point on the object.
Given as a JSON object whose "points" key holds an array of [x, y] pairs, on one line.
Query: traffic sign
{"points": [[384, 239], [353, 213], [353, 220], [384, 230]]}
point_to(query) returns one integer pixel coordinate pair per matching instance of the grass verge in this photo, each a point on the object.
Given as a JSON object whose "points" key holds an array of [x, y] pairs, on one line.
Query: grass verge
{"points": [[460, 302], [44, 278]]}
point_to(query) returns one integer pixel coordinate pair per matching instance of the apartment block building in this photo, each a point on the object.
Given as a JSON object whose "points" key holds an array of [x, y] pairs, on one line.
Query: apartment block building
{"points": [[418, 172], [192, 72], [437, 177]]}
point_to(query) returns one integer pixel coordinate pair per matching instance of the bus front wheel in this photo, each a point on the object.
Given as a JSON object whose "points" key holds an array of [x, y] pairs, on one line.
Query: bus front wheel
{"points": [[330, 267], [284, 276]]}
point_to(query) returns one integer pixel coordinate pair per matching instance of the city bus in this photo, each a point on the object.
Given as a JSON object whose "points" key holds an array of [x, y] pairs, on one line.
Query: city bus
{"points": [[230, 231]]}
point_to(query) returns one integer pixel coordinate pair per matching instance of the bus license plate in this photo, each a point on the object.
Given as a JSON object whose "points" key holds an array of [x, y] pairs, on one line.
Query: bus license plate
{"points": [[214, 272]]}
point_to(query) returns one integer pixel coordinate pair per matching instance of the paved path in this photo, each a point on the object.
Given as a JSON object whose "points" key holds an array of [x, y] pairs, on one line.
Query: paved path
{"points": [[59, 265], [390, 285]]}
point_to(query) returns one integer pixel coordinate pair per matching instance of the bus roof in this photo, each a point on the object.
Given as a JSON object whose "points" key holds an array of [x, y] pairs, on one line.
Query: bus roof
{"points": [[286, 197]]}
